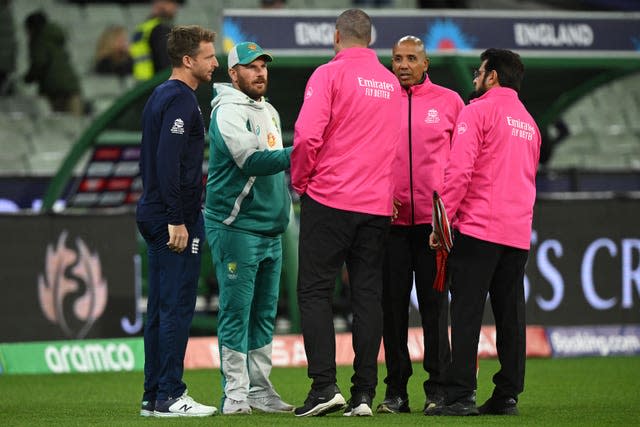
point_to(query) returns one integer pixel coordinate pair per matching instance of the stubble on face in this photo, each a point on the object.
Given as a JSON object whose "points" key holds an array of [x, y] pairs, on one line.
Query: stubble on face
{"points": [[205, 62], [251, 83]]}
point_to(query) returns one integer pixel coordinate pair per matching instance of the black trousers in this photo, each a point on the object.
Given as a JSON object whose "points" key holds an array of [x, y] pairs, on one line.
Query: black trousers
{"points": [[330, 238], [408, 253], [475, 268]]}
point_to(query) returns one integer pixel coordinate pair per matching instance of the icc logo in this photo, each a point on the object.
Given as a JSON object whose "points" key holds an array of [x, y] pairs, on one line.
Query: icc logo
{"points": [[72, 291]]}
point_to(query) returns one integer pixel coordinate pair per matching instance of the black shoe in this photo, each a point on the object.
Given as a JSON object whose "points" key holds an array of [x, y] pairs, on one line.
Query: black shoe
{"points": [[462, 407], [433, 401], [435, 408], [393, 405], [497, 406], [321, 402], [359, 406]]}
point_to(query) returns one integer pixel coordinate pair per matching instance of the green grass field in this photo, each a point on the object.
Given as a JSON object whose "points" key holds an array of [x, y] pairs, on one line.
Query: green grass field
{"points": [[588, 392]]}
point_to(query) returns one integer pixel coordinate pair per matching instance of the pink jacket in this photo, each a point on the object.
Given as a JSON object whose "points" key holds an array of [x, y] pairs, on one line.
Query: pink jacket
{"points": [[429, 114], [490, 180], [346, 134]]}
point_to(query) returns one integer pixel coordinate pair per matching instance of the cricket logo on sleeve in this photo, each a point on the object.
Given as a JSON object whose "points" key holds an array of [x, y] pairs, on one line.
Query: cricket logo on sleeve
{"points": [[462, 128], [178, 127], [308, 93]]}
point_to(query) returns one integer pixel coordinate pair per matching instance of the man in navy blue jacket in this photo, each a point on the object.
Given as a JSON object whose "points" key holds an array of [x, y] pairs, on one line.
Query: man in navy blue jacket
{"points": [[170, 219]]}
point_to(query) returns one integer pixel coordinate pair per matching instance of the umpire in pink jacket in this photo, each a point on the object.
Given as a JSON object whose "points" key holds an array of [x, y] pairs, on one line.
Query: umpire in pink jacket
{"points": [[429, 114], [345, 141], [489, 192]]}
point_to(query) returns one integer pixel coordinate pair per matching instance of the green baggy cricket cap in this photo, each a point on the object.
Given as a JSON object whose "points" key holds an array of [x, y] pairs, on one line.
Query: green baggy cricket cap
{"points": [[245, 53]]}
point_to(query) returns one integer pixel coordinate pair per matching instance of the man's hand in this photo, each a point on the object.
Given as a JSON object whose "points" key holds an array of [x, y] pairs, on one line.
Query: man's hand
{"points": [[433, 241], [178, 237], [396, 205]]}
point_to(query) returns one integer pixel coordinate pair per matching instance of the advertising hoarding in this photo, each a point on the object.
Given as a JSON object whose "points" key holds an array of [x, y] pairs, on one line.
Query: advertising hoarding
{"points": [[68, 277]]}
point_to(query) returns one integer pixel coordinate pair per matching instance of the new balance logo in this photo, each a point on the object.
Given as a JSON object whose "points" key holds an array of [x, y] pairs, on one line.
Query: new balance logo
{"points": [[195, 245], [185, 408]]}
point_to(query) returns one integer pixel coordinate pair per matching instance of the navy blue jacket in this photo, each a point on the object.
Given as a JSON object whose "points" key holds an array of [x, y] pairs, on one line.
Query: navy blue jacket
{"points": [[171, 156]]}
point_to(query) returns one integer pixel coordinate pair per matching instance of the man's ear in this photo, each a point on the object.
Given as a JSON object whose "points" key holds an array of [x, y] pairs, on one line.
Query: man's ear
{"points": [[187, 61], [493, 74]]}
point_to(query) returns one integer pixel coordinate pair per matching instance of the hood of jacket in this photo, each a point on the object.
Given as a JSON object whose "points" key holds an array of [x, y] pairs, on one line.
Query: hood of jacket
{"points": [[225, 93]]}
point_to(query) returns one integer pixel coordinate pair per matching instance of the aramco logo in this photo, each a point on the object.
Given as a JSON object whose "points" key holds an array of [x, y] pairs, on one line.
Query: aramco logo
{"points": [[72, 291]]}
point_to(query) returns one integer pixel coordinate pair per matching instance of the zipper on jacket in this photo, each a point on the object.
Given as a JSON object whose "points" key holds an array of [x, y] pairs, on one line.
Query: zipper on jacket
{"points": [[413, 213]]}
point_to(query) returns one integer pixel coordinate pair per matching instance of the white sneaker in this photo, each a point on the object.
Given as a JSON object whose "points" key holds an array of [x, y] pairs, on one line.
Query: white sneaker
{"points": [[183, 406], [235, 407], [147, 409], [359, 406], [271, 404]]}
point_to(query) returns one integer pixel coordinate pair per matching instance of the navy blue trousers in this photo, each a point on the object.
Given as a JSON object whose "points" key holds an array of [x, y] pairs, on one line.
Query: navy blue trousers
{"points": [[173, 281]]}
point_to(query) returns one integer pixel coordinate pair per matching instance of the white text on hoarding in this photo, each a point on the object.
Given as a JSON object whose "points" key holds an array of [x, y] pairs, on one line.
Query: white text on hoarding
{"points": [[89, 358], [626, 252], [550, 35]]}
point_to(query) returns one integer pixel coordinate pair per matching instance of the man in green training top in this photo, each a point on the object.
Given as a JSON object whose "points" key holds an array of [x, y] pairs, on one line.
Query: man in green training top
{"points": [[247, 210]]}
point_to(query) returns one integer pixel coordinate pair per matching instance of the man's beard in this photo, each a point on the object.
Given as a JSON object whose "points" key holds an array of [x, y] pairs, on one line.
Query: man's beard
{"points": [[477, 93], [250, 91], [205, 77]]}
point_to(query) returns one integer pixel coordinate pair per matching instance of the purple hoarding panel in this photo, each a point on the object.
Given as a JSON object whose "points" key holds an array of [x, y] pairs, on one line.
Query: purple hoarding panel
{"points": [[303, 33], [594, 341], [584, 263]]}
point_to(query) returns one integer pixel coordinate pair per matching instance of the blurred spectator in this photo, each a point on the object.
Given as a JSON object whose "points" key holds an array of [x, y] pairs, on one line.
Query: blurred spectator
{"points": [[50, 65], [7, 47], [149, 41], [112, 52], [442, 4], [273, 4], [372, 3]]}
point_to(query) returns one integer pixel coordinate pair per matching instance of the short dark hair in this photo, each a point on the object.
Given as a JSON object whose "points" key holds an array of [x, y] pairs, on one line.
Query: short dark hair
{"points": [[185, 40], [355, 25], [35, 21], [507, 65]]}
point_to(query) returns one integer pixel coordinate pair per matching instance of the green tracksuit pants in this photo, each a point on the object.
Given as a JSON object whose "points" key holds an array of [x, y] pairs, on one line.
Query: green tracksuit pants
{"points": [[248, 271]]}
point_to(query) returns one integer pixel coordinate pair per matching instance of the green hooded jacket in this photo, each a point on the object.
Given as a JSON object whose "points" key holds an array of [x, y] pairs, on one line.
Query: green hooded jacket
{"points": [[246, 186]]}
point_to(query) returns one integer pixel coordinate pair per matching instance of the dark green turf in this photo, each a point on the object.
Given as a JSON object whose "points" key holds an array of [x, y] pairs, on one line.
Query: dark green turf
{"points": [[588, 392]]}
